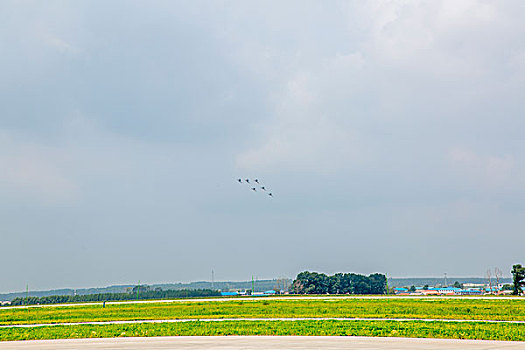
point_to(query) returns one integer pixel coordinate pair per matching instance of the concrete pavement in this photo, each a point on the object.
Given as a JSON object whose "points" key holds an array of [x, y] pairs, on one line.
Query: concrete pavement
{"points": [[262, 342]]}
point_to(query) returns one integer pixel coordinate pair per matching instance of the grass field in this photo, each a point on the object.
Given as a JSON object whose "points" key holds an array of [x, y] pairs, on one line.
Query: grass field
{"points": [[415, 329], [468, 309], [460, 309]]}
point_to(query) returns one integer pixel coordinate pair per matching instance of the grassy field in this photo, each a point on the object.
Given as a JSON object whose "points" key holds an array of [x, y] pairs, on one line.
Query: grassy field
{"points": [[461, 309], [468, 309], [415, 329]]}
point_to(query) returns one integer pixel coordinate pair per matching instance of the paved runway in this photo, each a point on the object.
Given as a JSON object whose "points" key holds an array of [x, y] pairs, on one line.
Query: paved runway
{"points": [[255, 343]]}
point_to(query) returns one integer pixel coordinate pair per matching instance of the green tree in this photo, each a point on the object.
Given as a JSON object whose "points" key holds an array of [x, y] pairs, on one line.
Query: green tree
{"points": [[458, 285], [518, 277], [141, 289], [507, 287], [341, 283], [377, 283]]}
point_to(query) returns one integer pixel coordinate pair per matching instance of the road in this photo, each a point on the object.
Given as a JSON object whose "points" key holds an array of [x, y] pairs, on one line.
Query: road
{"points": [[262, 342]]}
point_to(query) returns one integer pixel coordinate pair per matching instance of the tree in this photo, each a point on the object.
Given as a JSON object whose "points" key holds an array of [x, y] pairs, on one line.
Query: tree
{"points": [[337, 284], [341, 283], [309, 283], [141, 289], [458, 285], [377, 283], [489, 280], [507, 287], [498, 274], [518, 277], [281, 285], [412, 289]]}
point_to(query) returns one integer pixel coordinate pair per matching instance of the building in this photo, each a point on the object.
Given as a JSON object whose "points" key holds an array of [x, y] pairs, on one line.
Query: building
{"points": [[471, 291], [399, 290]]}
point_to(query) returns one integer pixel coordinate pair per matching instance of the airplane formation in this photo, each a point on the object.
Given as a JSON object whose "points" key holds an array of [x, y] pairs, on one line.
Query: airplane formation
{"points": [[255, 185]]}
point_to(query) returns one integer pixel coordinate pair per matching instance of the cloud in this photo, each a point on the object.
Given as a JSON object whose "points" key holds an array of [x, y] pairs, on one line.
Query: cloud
{"points": [[307, 130], [301, 136], [61, 45], [404, 70], [398, 122], [34, 171], [489, 170]]}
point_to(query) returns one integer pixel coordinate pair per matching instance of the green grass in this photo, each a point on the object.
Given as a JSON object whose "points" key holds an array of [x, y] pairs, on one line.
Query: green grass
{"points": [[468, 309], [414, 329]]}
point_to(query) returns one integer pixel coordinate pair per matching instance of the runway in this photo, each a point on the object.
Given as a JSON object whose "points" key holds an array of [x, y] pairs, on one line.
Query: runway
{"points": [[262, 342]]}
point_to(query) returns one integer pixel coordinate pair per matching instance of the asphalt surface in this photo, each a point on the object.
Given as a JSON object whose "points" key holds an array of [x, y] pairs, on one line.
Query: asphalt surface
{"points": [[260, 342]]}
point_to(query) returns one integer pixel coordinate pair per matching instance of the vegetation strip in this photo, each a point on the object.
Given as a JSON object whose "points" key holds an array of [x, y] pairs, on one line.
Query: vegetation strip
{"points": [[134, 294], [457, 309], [251, 320], [413, 329], [272, 298]]}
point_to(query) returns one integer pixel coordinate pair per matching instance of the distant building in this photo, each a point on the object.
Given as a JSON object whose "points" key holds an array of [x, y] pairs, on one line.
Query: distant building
{"points": [[447, 290], [427, 292], [471, 291], [399, 290], [229, 294], [473, 285]]}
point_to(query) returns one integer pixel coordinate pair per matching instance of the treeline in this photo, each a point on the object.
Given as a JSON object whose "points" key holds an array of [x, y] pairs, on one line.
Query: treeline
{"points": [[143, 293], [341, 283]]}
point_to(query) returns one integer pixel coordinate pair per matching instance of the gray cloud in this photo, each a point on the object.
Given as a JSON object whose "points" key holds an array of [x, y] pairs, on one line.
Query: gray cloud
{"points": [[390, 133]]}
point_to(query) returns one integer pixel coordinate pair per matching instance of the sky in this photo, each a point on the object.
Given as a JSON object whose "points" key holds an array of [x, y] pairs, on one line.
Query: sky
{"points": [[391, 134]]}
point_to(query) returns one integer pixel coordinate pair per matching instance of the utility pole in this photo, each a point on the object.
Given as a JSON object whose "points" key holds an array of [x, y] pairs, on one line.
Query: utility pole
{"points": [[27, 294], [212, 280], [138, 289], [253, 286], [446, 282]]}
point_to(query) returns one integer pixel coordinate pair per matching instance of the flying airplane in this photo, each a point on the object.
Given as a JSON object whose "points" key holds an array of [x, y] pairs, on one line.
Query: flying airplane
{"points": [[254, 189]]}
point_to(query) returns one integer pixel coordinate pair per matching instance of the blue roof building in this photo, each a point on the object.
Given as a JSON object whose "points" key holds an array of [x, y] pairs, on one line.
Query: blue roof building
{"points": [[229, 293]]}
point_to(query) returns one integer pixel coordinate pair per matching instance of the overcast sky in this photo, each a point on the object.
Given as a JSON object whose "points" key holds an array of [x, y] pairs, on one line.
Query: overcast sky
{"points": [[391, 134]]}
